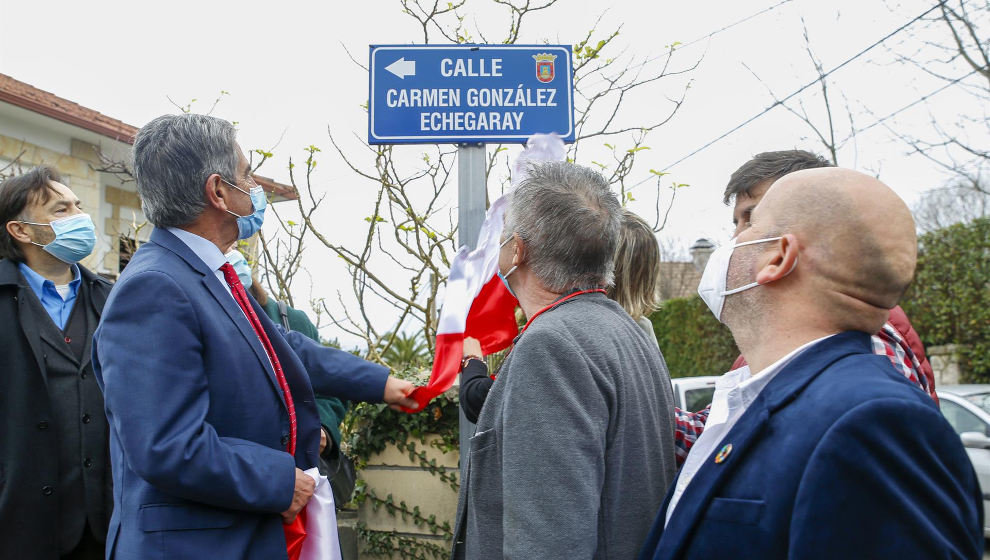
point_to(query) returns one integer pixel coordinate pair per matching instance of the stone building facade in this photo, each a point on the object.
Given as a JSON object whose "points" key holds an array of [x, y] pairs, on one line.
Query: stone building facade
{"points": [[38, 127]]}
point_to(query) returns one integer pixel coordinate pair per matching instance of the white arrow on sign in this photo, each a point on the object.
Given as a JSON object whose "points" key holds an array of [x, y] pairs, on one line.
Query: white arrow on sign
{"points": [[402, 68]]}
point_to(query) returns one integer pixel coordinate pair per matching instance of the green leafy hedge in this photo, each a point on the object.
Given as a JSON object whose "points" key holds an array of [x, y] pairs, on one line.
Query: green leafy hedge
{"points": [[949, 301], [692, 340]]}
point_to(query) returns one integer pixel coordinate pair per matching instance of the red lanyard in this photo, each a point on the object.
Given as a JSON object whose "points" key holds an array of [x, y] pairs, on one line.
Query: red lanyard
{"points": [[558, 302]]}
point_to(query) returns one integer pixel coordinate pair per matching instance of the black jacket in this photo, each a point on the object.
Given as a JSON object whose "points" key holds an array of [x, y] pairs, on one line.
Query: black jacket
{"points": [[28, 442]]}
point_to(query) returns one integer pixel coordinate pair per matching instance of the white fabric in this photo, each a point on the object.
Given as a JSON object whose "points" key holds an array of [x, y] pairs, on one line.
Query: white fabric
{"points": [[734, 393], [539, 147], [712, 287], [63, 290], [321, 541], [471, 270]]}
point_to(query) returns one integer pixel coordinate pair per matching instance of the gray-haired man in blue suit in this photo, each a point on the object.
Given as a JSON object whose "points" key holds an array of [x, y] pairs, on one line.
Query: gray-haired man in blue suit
{"points": [[212, 414]]}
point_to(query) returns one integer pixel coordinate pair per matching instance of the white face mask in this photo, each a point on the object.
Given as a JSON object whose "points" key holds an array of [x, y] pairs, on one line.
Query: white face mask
{"points": [[712, 286]]}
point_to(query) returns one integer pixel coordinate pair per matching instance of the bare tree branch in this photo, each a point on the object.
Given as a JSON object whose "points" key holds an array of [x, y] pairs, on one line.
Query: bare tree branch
{"points": [[408, 238]]}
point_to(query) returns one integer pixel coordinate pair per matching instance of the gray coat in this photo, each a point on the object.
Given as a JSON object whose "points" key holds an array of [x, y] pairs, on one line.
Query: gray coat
{"points": [[574, 448]]}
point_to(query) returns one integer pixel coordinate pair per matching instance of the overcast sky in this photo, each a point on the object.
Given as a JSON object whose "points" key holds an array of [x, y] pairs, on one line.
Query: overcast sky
{"points": [[288, 76]]}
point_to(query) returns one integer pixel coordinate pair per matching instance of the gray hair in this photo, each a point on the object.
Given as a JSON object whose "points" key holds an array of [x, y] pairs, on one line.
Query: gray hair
{"points": [[569, 220], [173, 156]]}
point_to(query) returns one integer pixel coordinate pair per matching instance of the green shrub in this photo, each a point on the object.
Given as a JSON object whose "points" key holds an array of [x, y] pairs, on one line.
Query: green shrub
{"points": [[949, 301], [692, 340]]}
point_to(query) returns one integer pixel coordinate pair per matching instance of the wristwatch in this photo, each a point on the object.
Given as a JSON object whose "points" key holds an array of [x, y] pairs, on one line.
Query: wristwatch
{"points": [[467, 359]]}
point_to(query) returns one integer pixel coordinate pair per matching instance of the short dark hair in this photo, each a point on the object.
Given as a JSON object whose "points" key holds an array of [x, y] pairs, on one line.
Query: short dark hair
{"points": [[15, 195], [770, 166]]}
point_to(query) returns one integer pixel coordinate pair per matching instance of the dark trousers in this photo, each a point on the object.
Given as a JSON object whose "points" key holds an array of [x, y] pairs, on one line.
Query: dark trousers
{"points": [[88, 548]]}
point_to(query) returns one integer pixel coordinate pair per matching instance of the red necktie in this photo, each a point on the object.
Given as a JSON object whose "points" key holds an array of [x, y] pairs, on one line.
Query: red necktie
{"points": [[237, 289], [295, 532]]}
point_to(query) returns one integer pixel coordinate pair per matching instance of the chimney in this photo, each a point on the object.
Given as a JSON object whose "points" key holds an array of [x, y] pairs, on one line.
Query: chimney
{"points": [[700, 251]]}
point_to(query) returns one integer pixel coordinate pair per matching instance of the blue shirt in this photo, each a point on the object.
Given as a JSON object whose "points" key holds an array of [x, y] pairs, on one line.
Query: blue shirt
{"points": [[58, 308]]}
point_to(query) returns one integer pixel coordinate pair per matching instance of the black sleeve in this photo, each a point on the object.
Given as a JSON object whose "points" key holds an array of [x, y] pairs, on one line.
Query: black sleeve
{"points": [[475, 385]]}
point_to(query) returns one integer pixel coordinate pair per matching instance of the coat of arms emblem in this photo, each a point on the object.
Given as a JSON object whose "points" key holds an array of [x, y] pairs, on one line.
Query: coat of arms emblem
{"points": [[544, 67]]}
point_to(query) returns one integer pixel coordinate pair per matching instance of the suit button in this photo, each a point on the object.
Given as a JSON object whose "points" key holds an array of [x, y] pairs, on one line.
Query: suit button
{"points": [[48, 490], [86, 419], [43, 425], [285, 440], [82, 375], [88, 463]]}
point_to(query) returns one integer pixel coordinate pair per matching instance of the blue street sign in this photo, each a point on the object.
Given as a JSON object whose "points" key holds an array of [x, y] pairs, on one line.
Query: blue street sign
{"points": [[433, 94]]}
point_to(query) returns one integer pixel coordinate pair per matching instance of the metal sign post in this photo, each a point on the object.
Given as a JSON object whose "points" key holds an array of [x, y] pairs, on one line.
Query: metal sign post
{"points": [[472, 193]]}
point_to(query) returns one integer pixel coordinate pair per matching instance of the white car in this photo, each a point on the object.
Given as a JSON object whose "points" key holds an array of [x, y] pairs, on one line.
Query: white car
{"points": [[693, 393], [967, 408]]}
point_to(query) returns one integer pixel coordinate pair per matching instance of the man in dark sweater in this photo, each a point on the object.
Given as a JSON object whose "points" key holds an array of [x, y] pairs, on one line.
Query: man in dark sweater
{"points": [[55, 482]]}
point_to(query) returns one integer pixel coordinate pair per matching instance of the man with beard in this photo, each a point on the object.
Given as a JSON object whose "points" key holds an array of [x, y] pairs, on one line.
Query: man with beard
{"points": [[808, 451]]}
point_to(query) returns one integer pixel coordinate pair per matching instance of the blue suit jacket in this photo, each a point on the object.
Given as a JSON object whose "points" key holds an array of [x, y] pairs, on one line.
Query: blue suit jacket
{"points": [[838, 457], [198, 422]]}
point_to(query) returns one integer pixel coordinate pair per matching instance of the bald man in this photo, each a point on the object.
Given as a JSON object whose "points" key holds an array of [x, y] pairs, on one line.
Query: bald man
{"points": [[819, 449], [897, 338]]}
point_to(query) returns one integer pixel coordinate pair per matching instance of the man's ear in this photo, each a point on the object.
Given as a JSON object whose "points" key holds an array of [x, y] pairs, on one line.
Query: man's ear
{"points": [[18, 231], [214, 191], [782, 261], [519, 254]]}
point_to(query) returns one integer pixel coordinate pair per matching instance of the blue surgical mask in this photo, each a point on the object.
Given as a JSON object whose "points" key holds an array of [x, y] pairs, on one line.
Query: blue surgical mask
{"points": [[250, 224], [241, 267], [75, 237], [505, 277], [505, 280]]}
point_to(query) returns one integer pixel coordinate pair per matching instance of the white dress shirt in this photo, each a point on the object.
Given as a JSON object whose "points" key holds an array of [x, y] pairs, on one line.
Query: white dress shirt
{"points": [[734, 393]]}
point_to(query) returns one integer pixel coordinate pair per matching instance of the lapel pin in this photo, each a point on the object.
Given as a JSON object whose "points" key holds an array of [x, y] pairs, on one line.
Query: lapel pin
{"points": [[723, 454]]}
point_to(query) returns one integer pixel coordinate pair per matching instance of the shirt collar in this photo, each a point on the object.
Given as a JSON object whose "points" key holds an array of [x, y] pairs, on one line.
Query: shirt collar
{"points": [[38, 282], [739, 388], [775, 367], [203, 248]]}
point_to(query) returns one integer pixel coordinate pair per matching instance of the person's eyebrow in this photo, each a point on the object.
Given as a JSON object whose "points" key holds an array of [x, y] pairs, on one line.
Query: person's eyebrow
{"points": [[64, 203], [743, 213]]}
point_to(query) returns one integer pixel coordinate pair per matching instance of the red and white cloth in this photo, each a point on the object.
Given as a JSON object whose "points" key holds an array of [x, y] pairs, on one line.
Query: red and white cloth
{"points": [[477, 303], [321, 541]]}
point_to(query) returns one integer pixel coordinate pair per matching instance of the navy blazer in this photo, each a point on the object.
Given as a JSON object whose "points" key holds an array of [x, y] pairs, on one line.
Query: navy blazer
{"points": [[838, 457], [198, 422]]}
